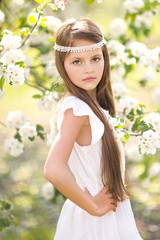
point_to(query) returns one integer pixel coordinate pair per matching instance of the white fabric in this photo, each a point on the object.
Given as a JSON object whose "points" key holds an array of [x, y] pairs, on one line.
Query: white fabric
{"points": [[74, 223], [80, 49]]}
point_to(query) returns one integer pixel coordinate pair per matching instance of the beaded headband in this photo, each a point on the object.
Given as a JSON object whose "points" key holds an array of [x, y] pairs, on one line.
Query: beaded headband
{"points": [[80, 49]]}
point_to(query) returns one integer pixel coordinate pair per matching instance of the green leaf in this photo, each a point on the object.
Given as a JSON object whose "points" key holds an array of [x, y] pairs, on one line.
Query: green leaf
{"points": [[119, 126], [152, 179], [18, 137], [128, 68], [31, 19], [146, 31], [40, 1], [41, 135], [44, 19], [2, 80], [31, 138], [37, 96], [42, 24], [25, 30], [126, 136], [52, 6], [4, 222], [39, 128], [139, 111], [15, 220], [130, 116], [141, 105], [21, 64], [136, 124], [143, 127], [4, 205], [89, 1]]}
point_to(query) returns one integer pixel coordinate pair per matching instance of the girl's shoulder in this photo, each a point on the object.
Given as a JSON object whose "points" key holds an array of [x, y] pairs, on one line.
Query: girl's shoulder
{"points": [[78, 105], [81, 108]]}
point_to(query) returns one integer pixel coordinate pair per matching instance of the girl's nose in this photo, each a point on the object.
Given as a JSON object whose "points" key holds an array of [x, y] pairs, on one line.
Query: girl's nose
{"points": [[88, 67]]}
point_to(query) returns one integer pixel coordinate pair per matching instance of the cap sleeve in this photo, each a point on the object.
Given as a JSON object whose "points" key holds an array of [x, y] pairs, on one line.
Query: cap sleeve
{"points": [[80, 108]]}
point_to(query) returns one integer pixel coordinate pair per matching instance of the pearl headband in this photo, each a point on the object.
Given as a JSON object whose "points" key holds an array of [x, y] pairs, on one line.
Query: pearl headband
{"points": [[80, 49]]}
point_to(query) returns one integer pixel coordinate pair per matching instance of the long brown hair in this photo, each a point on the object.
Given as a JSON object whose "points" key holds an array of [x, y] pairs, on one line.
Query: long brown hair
{"points": [[111, 158]]}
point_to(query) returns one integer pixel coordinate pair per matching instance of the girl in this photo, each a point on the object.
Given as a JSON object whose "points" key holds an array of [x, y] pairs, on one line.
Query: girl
{"points": [[85, 163]]}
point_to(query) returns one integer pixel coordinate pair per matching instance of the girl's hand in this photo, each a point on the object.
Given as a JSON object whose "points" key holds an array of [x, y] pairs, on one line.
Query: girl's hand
{"points": [[104, 201]]}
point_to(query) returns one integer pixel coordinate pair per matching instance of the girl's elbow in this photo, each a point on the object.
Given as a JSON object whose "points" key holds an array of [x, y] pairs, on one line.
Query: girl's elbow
{"points": [[50, 175]]}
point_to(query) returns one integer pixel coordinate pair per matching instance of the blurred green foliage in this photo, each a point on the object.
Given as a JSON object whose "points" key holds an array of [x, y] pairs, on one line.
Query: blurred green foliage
{"points": [[25, 212]]}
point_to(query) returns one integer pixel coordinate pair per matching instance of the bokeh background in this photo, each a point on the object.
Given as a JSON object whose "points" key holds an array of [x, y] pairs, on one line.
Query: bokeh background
{"points": [[22, 183]]}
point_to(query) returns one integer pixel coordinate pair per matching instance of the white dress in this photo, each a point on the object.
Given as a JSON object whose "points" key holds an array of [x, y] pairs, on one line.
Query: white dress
{"points": [[84, 162]]}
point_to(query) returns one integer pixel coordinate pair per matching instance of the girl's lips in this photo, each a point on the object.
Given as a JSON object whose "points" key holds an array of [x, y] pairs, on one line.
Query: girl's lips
{"points": [[89, 79]]}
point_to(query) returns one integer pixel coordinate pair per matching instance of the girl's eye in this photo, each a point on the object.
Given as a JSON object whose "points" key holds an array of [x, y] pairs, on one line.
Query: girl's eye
{"points": [[96, 59], [77, 62]]}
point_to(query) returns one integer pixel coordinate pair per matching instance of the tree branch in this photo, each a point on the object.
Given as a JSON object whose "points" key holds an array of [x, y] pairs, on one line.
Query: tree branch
{"points": [[30, 31], [44, 5], [31, 85], [3, 124]]}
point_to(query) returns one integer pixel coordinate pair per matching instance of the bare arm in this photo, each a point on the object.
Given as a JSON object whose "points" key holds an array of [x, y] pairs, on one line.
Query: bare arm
{"points": [[56, 170]]}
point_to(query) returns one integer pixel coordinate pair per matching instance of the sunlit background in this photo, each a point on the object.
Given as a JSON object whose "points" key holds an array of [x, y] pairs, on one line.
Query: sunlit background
{"points": [[21, 178]]}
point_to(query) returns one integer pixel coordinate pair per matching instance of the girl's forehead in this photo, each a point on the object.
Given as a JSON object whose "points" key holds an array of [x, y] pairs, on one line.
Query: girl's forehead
{"points": [[83, 42], [85, 54]]}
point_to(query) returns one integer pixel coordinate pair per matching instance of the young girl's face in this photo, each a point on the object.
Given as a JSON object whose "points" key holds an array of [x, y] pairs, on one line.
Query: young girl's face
{"points": [[85, 69]]}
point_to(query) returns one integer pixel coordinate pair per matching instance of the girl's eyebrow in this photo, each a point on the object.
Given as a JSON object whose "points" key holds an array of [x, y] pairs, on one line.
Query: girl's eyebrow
{"points": [[93, 56]]}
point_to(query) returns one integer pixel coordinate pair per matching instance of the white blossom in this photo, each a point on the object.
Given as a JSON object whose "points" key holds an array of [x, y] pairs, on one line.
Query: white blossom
{"points": [[114, 121], [149, 75], [48, 191], [27, 131], [117, 132], [1, 94], [2, 17], [116, 47], [127, 60], [151, 58], [15, 75], [126, 104], [52, 23], [138, 49], [131, 149], [156, 96], [154, 169], [16, 119], [154, 119], [53, 132], [44, 39], [9, 40], [51, 70], [143, 20], [60, 4], [117, 27], [149, 141], [12, 56], [51, 137], [14, 147], [133, 6], [23, 172], [46, 102], [118, 73], [17, 4], [119, 90]]}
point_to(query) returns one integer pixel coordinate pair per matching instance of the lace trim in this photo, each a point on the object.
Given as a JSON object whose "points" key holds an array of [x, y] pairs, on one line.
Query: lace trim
{"points": [[80, 49]]}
